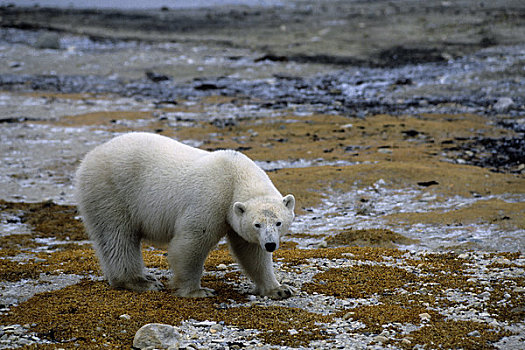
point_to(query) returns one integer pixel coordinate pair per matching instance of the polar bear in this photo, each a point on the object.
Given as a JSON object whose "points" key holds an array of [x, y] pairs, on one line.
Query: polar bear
{"points": [[142, 186]]}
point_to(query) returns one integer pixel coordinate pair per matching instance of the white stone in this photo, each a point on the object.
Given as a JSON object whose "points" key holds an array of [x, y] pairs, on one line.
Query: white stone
{"points": [[503, 104], [380, 339], [425, 317], [216, 328], [156, 335]]}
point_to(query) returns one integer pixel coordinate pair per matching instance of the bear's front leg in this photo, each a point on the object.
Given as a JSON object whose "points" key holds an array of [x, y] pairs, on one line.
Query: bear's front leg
{"points": [[186, 259], [257, 264]]}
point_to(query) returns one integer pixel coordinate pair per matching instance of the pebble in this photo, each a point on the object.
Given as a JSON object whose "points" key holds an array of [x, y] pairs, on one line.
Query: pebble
{"points": [[380, 339], [321, 244], [204, 324], [348, 315], [425, 317], [475, 333], [48, 41], [503, 104], [484, 295], [216, 328]]}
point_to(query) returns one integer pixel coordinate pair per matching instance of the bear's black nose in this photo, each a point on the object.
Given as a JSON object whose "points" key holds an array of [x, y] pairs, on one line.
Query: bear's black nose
{"points": [[270, 247]]}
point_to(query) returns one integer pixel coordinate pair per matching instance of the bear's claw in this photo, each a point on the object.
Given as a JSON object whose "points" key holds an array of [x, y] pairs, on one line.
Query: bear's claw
{"points": [[139, 284], [198, 293], [281, 292]]}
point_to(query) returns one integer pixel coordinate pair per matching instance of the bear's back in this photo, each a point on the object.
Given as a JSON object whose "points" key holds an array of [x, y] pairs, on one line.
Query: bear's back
{"points": [[131, 161], [147, 146]]}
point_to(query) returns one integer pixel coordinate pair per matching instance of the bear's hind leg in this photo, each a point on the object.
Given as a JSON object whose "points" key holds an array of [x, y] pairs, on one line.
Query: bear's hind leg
{"points": [[120, 257]]}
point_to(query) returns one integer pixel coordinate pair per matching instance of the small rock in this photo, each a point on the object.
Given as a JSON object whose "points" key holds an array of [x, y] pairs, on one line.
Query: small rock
{"points": [[15, 64], [503, 104], [406, 341], [502, 260], [222, 267], [348, 315], [125, 317], [204, 324], [156, 335], [484, 295], [380, 339], [216, 328], [475, 333], [519, 290], [156, 77], [322, 244], [425, 317], [48, 41]]}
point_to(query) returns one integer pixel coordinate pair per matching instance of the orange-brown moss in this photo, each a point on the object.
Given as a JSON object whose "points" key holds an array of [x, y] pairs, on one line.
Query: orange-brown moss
{"points": [[361, 281], [455, 335], [78, 261], [88, 313], [375, 316], [369, 238], [48, 219]]}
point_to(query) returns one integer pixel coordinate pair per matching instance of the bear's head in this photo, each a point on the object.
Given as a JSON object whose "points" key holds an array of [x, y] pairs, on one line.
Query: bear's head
{"points": [[263, 220]]}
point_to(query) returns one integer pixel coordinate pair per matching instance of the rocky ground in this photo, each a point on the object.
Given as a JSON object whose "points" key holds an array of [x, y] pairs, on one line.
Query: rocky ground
{"points": [[399, 127]]}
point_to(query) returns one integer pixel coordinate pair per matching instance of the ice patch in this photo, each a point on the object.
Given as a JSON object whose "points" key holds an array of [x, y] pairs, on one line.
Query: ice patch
{"points": [[12, 225], [302, 163], [16, 292]]}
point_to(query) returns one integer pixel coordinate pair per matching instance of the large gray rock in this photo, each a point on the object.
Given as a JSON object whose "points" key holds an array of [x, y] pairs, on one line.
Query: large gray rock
{"points": [[156, 336]]}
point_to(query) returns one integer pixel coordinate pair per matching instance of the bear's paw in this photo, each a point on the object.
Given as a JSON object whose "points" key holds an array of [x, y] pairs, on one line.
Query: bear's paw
{"points": [[139, 284], [197, 293], [281, 292]]}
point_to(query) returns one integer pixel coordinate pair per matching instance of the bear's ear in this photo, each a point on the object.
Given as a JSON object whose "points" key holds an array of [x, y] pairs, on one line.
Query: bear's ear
{"points": [[289, 202], [239, 208]]}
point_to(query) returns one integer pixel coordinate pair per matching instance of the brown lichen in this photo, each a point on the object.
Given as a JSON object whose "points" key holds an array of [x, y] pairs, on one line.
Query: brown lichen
{"points": [[376, 316], [448, 334], [369, 238], [47, 219], [88, 313], [361, 281]]}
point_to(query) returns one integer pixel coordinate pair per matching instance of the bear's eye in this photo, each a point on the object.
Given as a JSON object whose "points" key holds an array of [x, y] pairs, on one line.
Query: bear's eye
{"points": [[278, 223], [257, 225]]}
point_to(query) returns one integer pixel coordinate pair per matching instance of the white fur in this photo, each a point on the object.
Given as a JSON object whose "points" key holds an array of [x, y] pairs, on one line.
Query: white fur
{"points": [[143, 186]]}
